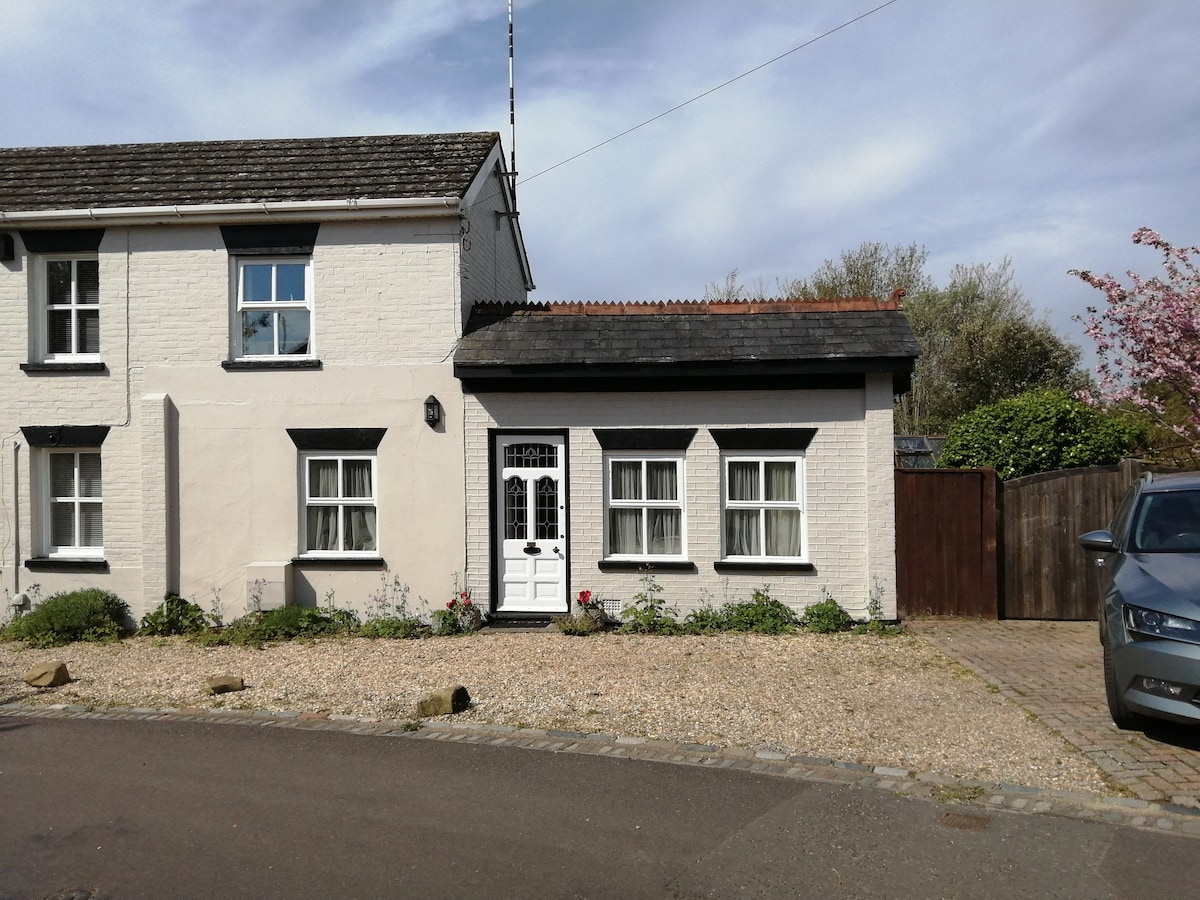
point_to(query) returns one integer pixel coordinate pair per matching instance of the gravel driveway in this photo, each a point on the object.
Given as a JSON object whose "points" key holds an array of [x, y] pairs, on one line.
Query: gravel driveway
{"points": [[891, 701]]}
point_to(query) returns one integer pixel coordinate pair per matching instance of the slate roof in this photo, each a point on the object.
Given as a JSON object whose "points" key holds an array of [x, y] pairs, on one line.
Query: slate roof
{"points": [[258, 171], [852, 335]]}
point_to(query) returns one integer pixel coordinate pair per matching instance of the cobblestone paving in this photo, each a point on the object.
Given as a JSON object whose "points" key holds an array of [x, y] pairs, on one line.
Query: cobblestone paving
{"points": [[1053, 670]]}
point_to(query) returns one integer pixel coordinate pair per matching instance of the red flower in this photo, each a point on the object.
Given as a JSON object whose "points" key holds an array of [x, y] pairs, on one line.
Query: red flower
{"points": [[467, 601], [450, 605]]}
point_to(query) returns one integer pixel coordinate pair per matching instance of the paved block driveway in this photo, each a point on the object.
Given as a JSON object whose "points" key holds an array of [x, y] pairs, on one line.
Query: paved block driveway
{"points": [[1053, 670]]}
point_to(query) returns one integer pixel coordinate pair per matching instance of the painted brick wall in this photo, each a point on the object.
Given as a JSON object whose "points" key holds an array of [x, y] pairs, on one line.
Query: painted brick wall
{"points": [[850, 513], [388, 298]]}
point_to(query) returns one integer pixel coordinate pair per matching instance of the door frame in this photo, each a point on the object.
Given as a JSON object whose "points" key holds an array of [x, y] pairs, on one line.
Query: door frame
{"points": [[494, 500]]}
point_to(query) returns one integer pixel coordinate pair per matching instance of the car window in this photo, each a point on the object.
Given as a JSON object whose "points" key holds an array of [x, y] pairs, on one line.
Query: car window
{"points": [[1121, 519], [1167, 522]]}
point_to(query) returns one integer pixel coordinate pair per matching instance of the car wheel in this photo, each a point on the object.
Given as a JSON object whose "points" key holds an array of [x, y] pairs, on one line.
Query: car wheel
{"points": [[1122, 716]]}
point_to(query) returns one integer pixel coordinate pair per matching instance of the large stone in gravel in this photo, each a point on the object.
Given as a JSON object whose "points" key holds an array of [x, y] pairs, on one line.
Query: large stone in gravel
{"points": [[51, 673], [225, 684], [444, 702]]}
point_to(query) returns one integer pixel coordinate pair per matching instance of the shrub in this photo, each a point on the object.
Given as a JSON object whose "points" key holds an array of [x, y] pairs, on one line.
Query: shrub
{"points": [[406, 627], [174, 616], [579, 625], [91, 614], [825, 616], [1040, 431], [287, 623], [705, 620], [760, 614]]}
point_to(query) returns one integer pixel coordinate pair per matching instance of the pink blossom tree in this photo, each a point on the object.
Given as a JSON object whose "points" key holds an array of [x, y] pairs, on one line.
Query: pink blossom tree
{"points": [[1148, 339]]}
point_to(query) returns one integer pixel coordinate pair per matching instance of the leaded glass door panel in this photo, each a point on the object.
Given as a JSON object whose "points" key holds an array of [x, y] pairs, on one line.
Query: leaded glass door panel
{"points": [[530, 530]]}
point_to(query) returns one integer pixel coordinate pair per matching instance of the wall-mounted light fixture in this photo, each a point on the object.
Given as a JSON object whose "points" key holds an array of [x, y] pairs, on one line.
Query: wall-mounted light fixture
{"points": [[433, 411]]}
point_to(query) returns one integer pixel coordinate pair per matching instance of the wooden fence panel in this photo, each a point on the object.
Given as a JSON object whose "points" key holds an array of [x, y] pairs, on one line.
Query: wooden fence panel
{"points": [[947, 542], [1047, 575]]}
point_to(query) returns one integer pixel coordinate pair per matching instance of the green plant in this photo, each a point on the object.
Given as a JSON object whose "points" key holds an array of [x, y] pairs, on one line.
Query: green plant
{"points": [[1039, 431], [825, 616], [706, 620], [407, 627], [91, 614], [287, 623], [578, 625], [649, 613], [760, 614], [174, 616], [460, 616], [875, 624]]}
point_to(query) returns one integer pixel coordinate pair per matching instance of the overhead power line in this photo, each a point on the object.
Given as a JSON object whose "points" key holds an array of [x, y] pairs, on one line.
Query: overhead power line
{"points": [[711, 90]]}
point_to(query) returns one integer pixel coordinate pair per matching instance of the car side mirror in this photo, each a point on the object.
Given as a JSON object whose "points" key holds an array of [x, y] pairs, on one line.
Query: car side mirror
{"points": [[1100, 541]]}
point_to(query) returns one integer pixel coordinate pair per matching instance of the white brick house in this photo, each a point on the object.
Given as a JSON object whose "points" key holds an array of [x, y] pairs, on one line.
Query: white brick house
{"points": [[219, 358]]}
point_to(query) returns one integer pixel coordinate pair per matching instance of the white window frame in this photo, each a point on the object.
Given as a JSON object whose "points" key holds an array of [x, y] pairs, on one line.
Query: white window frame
{"points": [[271, 307], [762, 504], [340, 502], [645, 503], [49, 501], [45, 307]]}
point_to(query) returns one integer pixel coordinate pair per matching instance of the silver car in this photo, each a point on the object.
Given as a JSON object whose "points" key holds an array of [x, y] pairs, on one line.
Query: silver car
{"points": [[1150, 614]]}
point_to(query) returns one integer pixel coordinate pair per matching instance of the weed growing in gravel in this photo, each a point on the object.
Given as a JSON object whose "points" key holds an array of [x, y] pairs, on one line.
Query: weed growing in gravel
{"points": [[387, 611], [649, 613], [875, 624], [287, 623], [826, 616], [761, 614], [174, 616]]}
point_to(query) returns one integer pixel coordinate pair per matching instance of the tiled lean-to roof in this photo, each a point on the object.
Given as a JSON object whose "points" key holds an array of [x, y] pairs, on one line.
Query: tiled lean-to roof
{"points": [[260, 171], [684, 344]]}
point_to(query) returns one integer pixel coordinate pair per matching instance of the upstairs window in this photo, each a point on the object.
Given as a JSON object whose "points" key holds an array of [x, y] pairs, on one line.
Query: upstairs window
{"points": [[68, 292], [274, 307]]}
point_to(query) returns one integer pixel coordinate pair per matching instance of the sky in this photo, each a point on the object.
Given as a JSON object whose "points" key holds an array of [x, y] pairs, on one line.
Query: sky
{"points": [[1041, 131]]}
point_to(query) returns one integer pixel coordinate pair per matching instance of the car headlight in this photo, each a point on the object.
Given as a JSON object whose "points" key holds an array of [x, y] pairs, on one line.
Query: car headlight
{"points": [[1156, 624]]}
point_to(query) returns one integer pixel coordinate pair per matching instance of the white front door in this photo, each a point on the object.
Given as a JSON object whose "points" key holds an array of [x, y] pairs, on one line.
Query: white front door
{"points": [[531, 526]]}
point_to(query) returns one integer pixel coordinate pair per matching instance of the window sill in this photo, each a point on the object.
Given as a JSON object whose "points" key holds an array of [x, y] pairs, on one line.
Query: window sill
{"points": [[634, 565], [65, 564], [259, 365], [340, 562], [757, 565], [64, 368]]}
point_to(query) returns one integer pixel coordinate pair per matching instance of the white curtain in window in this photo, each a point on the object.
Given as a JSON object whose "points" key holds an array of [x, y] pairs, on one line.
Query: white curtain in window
{"points": [[661, 483], [322, 520], [743, 481], [626, 480], [665, 531], [359, 520], [781, 480], [741, 532], [625, 531], [783, 532]]}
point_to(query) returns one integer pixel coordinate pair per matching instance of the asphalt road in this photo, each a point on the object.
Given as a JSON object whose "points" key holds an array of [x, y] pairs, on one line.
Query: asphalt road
{"points": [[123, 810]]}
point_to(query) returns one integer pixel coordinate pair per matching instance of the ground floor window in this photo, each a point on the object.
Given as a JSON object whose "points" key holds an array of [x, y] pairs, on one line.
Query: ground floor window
{"points": [[763, 506], [73, 503], [644, 506], [340, 504]]}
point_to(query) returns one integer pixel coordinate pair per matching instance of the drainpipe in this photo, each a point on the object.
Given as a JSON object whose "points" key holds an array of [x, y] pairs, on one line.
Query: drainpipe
{"points": [[18, 599]]}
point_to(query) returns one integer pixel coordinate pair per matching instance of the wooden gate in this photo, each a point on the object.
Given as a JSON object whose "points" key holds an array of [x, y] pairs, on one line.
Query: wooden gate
{"points": [[1046, 573], [947, 543]]}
